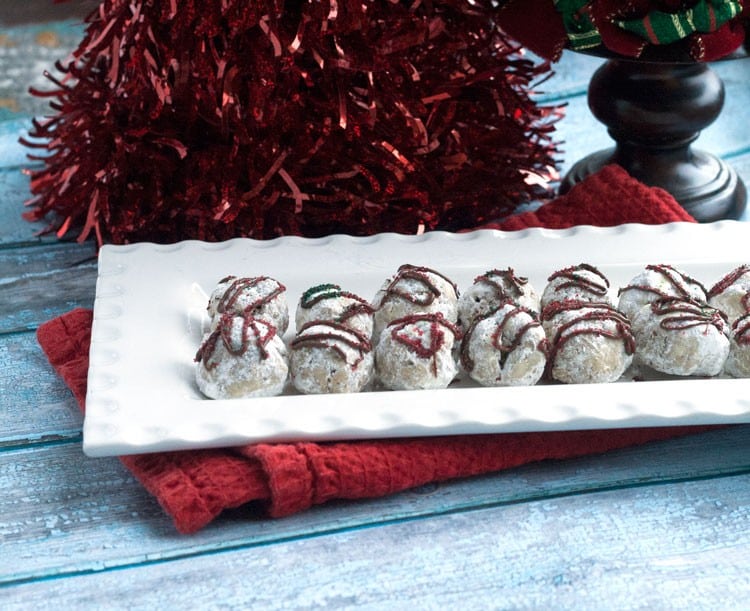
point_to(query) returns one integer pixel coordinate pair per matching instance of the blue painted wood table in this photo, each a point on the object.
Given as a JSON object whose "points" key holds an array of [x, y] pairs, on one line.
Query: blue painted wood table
{"points": [[666, 525]]}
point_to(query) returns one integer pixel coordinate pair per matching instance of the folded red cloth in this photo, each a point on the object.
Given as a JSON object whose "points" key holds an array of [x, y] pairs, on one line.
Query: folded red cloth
{"points": [[194, 487], [608, 198]]}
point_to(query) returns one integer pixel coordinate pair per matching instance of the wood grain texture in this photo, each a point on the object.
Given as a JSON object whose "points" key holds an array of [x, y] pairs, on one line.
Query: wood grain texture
{"points": [[12, 153], [39, 283], [567, 79], [54, 502], [14, 191], [36, 406], [43, 260], [685, 546], [26, 52]]}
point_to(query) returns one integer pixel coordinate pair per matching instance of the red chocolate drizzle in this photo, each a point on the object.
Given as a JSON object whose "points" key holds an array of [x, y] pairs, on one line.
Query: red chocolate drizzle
{"points": [[682, 314], [579, 281], [741, 330], [728, 280], [497, 336], [331, 340], [568, 305], [579, 325], [224, 333], [353, 310], [421, 275], [234, 292], [677, 279], [436, 335], [501, 292]]}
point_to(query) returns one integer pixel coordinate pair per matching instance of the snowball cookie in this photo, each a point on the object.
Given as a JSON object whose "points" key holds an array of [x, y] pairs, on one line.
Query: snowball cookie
{"points": [[681, 337], [416, 352], [329, 357], [738, 361], [330, 302], [590, 342], [657, 282], [261, 297], [242, 357], [492, 289], [414, 290], [731, 294], [579, 282], [506, 348]]}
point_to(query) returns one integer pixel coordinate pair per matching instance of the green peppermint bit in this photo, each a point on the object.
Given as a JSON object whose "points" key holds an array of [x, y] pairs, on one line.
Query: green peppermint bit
{"points": [[321, 291]]}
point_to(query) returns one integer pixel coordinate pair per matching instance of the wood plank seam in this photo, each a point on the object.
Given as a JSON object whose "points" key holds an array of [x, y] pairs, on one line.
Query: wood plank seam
{"points": [[205, 551]]}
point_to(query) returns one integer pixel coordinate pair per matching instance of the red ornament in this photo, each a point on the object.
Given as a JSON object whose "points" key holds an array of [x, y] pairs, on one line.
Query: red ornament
{"points": [[213, 119]]}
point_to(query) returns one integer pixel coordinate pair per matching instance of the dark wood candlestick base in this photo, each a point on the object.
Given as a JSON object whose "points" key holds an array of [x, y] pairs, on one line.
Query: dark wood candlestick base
{"points": [[655, 111]]}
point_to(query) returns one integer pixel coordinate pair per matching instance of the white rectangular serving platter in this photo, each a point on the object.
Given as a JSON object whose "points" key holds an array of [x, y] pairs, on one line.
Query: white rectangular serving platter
{"points": [[149, 316]]}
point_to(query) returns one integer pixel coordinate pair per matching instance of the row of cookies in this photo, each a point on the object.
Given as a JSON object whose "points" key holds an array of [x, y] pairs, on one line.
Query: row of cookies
{"points": [[418, 331], [243, 355], [663, 320]]}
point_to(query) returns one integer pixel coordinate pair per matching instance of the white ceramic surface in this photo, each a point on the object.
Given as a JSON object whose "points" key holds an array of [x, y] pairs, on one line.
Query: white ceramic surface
{"points": [[149, 316]]}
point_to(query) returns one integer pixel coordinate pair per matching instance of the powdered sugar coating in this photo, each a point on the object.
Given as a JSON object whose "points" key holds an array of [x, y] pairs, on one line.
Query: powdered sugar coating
{"points": [[582, 282], [416, 352], [414, 290], [490, 290], [328, 357], [738, 362], [331, 302], [506, 348], [658, 282], [681, 337], [731, 294], [242, 357], [590, 342], [260, 296]]}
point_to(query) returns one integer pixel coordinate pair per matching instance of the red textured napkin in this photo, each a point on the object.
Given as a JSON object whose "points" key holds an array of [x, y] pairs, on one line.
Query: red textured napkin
{"points": [[194, 487]]}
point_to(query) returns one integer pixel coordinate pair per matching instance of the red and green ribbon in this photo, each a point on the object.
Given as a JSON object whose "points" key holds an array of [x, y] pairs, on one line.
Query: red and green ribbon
{"points": [[662, 28], [581, 31]]}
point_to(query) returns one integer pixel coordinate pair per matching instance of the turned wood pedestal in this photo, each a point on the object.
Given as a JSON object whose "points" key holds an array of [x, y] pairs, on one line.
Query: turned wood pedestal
{"points": [[654, 111]]}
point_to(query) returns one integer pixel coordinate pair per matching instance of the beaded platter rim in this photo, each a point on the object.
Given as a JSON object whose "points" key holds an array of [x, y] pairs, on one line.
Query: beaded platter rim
{"points": [[149, 317]]}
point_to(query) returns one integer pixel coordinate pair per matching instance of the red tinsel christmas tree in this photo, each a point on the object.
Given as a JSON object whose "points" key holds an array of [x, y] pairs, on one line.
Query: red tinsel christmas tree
{"points": [[214, 119]]}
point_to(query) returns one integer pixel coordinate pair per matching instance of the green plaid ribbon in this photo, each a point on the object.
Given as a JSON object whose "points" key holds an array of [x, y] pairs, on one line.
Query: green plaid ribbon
{"points": [[661, 28], [581, 31]]}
